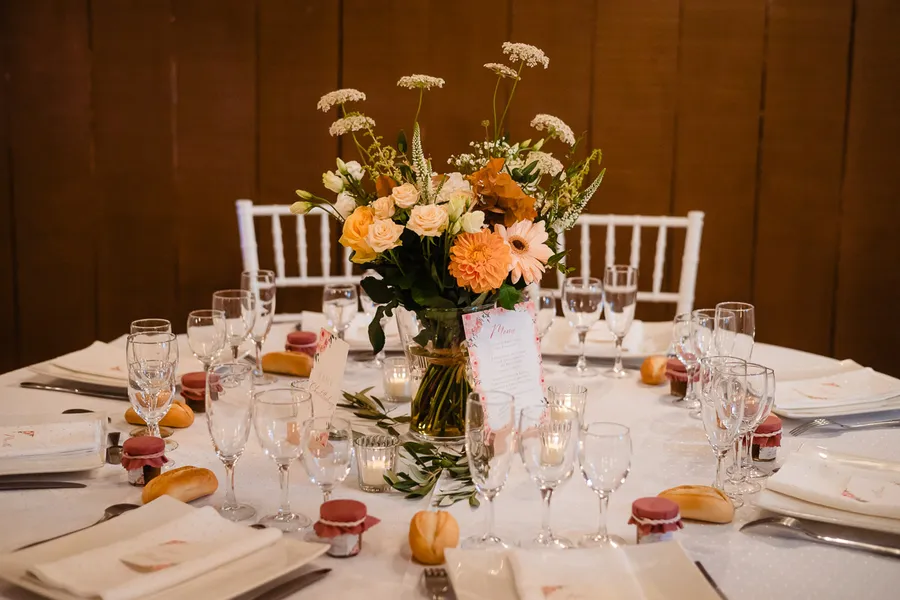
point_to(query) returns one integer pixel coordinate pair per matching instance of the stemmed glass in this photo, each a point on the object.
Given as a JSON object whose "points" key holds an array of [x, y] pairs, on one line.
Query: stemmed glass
{"points": [[152, 360], [261, 284], [605, 456], [687, 351], [339, 303], [151, 326], [206, 335], [548, 442], [582, 302], [278, 417], [327, 444], [229, 405], [757, 405], [744, 327], [723, 384], [620, 300], [240, 313], [490, 446], [751, 470]]}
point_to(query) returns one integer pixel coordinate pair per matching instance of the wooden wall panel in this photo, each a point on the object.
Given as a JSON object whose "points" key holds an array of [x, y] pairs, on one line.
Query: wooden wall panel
{"points": [[868, 291], [9, 349], [798, 210], [55, 222], [215, 117]]}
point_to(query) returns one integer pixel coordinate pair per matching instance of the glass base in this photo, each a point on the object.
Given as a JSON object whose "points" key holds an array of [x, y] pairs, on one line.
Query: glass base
{"points": [[450, 440], [733, 491], [237, 512], [613, 374], [754, 472], [547, 542], [483, 542], [288, 523], [589, 372], [164, 432], [688, 403], [264, 379], [597, 540]]}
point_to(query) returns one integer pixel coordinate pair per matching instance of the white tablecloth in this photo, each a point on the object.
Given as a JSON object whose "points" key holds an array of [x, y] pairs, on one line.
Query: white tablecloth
{"points": [[669, 449]]}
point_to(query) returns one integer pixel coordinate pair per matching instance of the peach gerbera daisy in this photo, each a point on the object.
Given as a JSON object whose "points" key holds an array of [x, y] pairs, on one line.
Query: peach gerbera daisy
{"points": [[480, 261], [529, 252]]}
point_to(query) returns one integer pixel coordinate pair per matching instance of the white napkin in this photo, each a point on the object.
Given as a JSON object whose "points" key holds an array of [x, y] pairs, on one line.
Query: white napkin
{"points": [[829, 483], [99, 359], [41, 439], [204, 541], [574, 575], [859, 386], [357, 335], [599, 337]]}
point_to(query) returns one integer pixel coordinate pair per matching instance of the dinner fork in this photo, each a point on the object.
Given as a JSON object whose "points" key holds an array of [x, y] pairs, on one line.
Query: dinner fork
{"points": [[437, 583], [822, 422]]}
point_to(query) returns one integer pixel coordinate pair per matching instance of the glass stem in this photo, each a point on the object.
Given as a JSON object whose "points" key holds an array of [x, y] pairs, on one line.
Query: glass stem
{"points": [[234, 351], [326, 495], [546, 496], [601, 525], [581, 365], [284, 479], [259, 369], [720, 472], [736, 462], [690, 383], [230, 499], [748, 449], [489, 526], [153, 428], [618, 368]]}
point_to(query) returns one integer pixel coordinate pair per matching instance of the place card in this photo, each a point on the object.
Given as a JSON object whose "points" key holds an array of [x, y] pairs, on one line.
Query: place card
{"points": [[327, 372], [504, 353]]}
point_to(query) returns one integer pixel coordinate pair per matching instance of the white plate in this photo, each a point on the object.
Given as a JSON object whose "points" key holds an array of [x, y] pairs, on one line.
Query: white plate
{"points": [[655, 339], [228, 581], [56, 463], [840, 411]]}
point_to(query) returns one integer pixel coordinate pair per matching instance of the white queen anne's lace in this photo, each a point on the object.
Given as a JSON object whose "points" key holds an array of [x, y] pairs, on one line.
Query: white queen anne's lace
{"points": [[501, 70], [546, 163], [555, 127], [526, 53], [336, 97], [351, 123], [425, 82]]}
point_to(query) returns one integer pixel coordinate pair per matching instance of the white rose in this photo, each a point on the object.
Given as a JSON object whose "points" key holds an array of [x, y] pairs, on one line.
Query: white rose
{"points": [[345, 204], [384, 234], [354, 170], [428, 220], [454, 183], [383, 208], [458, 203], [472, 222], [333, 182], [405, 196]]}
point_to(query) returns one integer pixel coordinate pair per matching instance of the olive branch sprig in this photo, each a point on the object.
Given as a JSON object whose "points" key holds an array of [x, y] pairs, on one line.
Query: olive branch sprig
{"points": [[371, 408]]}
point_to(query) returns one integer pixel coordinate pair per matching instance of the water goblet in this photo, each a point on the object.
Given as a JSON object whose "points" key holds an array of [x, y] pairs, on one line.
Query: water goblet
{"points": [[686, 350], [152, 359], [339, 303], [239, 307], [261, 284], [327, 452], [722, 394], [620, 300], [604, 452], [582, 302], [744, 328], [151, 326], [752, 471], [206, 335], [757, 406]]}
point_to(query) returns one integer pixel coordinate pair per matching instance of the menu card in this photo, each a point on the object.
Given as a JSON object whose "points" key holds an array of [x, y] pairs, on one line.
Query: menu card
{"points": [[504, 353], [327, 373]]}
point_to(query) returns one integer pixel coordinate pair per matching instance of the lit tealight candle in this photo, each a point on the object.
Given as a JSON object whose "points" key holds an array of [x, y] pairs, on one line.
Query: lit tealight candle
{"points": [[398, 381], [375, 458], [373, 472]]}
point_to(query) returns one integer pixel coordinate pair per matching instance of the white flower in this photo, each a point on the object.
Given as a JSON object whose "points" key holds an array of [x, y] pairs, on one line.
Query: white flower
{"points": [[301, 208], [428, 220], [472, 222], [425, 82], [339, 97], [454, 182], [405, 196], [304, 194], [458, 204], [333, 182], [545, 163], [352, 168], [384, 234], [351, 123], [383, 208], [526, 53], [345, 204], [502, 70], [555, 127]]}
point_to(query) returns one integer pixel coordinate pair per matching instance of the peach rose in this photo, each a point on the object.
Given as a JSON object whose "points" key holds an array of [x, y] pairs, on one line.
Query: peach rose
{"points": [[384, 234], [356, 227], [405, 196], [428, 220], [383, 208]]}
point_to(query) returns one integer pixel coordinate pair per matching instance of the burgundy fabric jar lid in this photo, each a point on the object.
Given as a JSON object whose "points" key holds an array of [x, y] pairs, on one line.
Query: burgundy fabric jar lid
{"points": [[654, 508], [196, 381], [770, 425], [142, 451], [338, 517], [302, 338], [676, 366]]}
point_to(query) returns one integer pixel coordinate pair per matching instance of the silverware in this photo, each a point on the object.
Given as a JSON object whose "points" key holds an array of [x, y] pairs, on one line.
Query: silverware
{"points": [[289, 587], [710, 580], [831, 535], [9, 486], [822, 422], [111, 512], [436, 582], [110, 394], [113, 448]]}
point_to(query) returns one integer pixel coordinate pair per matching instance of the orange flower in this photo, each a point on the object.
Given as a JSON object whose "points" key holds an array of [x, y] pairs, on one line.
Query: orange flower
{"points": [[356, 228], [480, 261], [501, 198]]}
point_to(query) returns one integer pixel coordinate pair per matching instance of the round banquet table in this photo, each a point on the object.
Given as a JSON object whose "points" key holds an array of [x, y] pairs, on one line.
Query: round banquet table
{"points": [[669, 449]]}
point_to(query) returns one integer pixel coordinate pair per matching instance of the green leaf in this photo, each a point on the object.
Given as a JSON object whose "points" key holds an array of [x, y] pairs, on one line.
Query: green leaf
{"points": [[508, 296], [377, 289], [430, 299], [401, 142], [376, 332]]}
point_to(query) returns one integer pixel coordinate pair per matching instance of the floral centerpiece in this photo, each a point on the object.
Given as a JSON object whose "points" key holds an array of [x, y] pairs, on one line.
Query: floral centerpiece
{"points": [[448, 243]]}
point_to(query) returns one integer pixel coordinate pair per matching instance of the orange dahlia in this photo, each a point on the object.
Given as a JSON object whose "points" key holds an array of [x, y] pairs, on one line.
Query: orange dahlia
{"points": [[480, 261]]}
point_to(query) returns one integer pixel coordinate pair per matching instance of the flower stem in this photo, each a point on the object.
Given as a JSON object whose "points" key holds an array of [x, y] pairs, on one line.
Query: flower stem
{"points": [[419, 108], [494, 105], [509, 100]]}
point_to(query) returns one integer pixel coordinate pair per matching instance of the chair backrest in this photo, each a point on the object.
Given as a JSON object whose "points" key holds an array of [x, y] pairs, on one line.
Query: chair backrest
{"points": [[693, 223], [247, 211]]}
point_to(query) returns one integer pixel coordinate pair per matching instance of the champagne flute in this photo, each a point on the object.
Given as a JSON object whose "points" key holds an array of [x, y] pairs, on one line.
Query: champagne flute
{"points": [[240, 313], [339, 303], [582, 302], [620, 300], [686, 350], [605, 456], [206, 335], [744, 327], [490, 446], [151, 326], [722, 391], [261, 284], [152, 360], [229, 406], [327, 444], [548, 442], [278, 417], [757, 405]]}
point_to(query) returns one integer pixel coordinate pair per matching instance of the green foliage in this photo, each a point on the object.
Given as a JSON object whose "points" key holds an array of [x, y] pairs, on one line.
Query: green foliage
{"points": [[371, 408], [425, 463]]}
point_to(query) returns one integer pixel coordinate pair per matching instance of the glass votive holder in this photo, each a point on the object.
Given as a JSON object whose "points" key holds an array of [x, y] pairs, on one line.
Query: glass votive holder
{"points": [[398, 380], [376, 456], [570, 395]]}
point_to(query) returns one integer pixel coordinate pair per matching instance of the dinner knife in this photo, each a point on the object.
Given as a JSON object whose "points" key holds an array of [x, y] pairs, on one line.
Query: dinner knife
{"points": [[8, 486], [834, 535], [710, 580], [110, 395], [289, 587]]}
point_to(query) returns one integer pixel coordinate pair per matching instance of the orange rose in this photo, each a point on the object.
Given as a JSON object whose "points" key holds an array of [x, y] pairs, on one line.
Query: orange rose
{"points": [[356, 228], [501, 198]]}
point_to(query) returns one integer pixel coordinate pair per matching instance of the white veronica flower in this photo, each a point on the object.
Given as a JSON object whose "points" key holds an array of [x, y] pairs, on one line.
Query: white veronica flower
{"points": [[526, 53], [339, 97], [425, 82], [501, 70], [546, 163], [555, 127], [351, 123]]}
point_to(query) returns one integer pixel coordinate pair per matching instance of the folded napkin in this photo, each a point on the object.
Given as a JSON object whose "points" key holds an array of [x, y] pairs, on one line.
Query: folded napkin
{"points": [[574, 575], [357, 335], [175, 552], [600, 337], [867, 491], [859, 386], [99, 359], [42, 439]]}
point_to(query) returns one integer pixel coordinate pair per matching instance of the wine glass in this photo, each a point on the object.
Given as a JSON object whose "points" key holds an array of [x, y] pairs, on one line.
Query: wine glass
{"points": [[327, 444], [206, 335], [752, 471], [568, 395], [722, 389], [278, 417], [261, 284], [548, 442], [757, 405], [152, 360], [620, 300], [686, 350], [605, 456], [229, 406], [151, 326], [582, 302], [240, 313], [339, 303], [744, 327], [713, 335], [490, 446]]}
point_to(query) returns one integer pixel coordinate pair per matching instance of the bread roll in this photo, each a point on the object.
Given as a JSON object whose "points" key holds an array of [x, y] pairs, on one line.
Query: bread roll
{"points": [[701, 503], [430, 533], [179, 415], [183, 483], [653, 370], [287, 363]]}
